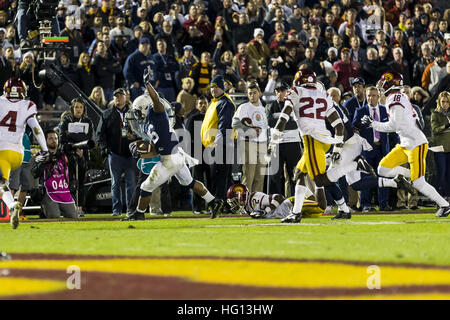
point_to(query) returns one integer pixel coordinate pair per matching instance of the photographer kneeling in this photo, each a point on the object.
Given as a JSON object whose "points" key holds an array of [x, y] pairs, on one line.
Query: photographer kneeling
{"points": [[77, 127], [53, 173]]}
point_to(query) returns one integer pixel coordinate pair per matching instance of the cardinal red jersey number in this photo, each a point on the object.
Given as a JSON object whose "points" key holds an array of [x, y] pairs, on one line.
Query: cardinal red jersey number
{"points": [[10, 121], [308, 103]]}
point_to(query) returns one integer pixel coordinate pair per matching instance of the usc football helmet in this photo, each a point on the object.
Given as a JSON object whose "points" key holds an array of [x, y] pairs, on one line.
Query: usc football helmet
{"points": [[15, 88], [237, 196], [390, 80], [305, 76]]}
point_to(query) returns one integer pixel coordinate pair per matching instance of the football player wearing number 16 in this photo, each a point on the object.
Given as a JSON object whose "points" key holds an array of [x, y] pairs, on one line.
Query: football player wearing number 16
{"points": [[312, 107], [164, 142], [15, 113], [413, 146]]}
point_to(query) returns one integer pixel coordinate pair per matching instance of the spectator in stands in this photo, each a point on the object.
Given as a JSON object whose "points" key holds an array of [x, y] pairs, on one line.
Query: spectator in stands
{"points": [[114, 144], [372, 68], [346, 69], [187, 99], [169, 37], [379, 142], [400, 65], [419, 96], [105, 68], [422, 63], [288, 151], [121, 29], [243, 63], [311, 62], [357, 53], [28, 72], [77, 127], [440, 127], [134, 67], [75, 43], [201, 73], [434, 73], [85, 74], [98, 97], [257, 48], [5, 69]]}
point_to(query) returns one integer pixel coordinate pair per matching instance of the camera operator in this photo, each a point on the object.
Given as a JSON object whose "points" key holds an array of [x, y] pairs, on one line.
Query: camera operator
{"points": [[77, 127], [29, 13], [53, 173]]}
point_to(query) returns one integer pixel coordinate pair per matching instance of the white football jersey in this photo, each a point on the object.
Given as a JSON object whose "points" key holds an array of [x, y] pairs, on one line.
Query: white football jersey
{"points": [[257, 201], [311, 108], [13, 121], [409, 132]]}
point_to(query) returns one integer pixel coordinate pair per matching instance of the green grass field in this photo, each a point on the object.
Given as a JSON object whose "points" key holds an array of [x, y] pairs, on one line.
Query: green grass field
{"points": [[417, 238], [232, 257]]}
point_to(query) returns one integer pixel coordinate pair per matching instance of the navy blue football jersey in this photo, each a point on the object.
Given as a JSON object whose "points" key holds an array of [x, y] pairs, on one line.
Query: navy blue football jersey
{"points": [[158, 128]]}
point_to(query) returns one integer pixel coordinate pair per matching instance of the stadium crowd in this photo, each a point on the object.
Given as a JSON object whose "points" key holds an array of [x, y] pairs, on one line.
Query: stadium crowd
{"points": [[250, 49]]}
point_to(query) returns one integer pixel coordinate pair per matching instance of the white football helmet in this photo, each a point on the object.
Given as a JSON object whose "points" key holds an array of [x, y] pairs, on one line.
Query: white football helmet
{"points": [[143, 102]]}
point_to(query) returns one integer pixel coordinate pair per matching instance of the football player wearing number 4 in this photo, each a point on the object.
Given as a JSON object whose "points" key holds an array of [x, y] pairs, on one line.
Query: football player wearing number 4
{"points": [[312, 107], [413, 146], [15, 114]]}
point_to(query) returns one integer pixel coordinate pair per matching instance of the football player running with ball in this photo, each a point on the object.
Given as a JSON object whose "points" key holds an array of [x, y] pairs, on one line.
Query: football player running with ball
{"points": [[413, 146], [164, 142], [15, 114]]}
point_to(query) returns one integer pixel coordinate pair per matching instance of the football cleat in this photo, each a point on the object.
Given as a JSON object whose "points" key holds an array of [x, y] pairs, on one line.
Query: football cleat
{"points": [[443, 212], [402, 183], [14, 219], [258, 214], [363, 165], [215, 206], [292, 218], [134, 216], [342, 215]]}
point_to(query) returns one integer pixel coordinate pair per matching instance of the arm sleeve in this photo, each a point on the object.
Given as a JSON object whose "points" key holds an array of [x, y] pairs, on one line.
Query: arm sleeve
{"points": [[395, 118], [38, 133]]}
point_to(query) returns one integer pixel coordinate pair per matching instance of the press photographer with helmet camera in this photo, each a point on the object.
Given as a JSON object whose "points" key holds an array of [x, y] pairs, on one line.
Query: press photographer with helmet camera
{"points": [[77, 128], [52, 170]]}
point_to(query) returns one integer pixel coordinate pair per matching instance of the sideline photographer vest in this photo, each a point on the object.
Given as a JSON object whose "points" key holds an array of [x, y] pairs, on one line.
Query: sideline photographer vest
{"points": [[57, 185]]}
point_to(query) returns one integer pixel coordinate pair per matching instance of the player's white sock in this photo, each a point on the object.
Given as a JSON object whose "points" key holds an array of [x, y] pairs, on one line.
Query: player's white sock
{"points": [[335, 173], [9, 200], [386, 172], [386, 182], [428, 190], [208, 197], [342, 205], [300, 192]]}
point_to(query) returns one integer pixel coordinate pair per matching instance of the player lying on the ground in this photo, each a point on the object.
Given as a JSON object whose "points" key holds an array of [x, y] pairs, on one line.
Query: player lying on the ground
{"points": [[261, 205], [15, 114], [160, 139], [413, 145]]}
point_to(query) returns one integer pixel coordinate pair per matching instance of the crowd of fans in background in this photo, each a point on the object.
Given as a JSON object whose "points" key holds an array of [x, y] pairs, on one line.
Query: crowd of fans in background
{"points": [[251, 43]]}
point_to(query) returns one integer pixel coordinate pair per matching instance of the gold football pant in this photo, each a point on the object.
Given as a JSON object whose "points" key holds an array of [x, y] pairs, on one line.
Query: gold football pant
{"points": [[400, 155], [313, 160]]}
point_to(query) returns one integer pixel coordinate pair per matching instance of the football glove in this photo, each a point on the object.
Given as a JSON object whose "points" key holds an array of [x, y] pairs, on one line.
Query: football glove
{"points": [[336, 154], [366, 121], [148, 75], [42, 156]]}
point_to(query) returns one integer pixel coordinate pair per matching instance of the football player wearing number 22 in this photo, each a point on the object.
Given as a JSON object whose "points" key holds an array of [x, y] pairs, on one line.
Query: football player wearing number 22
{"points": [[15, 113], [312, 107]]}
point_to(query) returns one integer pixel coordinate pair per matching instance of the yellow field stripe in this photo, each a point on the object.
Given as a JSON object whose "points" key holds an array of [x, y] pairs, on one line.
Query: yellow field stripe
{"points": [[254, 273], [17, 286], [415, 296]]}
